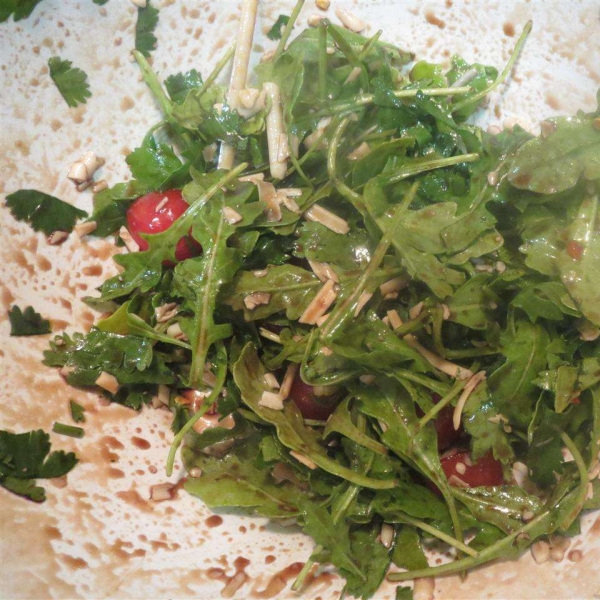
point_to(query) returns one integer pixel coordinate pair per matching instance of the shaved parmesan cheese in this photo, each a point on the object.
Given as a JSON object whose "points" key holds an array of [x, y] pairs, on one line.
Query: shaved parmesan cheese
{"points": [[320, 303], [271, 400], [107, 382], [326, 218], [303, 459]]}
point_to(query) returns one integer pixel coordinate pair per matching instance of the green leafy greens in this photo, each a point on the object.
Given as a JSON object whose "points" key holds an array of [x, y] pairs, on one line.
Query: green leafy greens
{"points": [[71, 82], [405, 264]]}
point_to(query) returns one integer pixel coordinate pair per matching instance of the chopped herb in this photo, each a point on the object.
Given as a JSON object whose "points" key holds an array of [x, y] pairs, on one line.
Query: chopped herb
{"points": [[43, 212], [27, 322], [145, 40], [25, 457], [77, 412], [68, 430], [275, 32], [71, 82], [19, 9]]}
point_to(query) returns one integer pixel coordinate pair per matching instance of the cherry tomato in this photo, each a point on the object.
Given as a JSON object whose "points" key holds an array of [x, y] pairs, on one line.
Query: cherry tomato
{"points": [[310, 405], [151, 214], [487, 471], [446, 434]]}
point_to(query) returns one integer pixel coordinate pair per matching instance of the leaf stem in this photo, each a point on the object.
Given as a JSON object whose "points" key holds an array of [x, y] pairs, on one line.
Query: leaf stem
{"points": [[458, 386], [153, 83], [322, 61], [345, 310], [509, 65], [439, 534], [206, 405], [429, 165], [583, 481], [486, 555], [216, 71], [288, 29], [355, 199]]}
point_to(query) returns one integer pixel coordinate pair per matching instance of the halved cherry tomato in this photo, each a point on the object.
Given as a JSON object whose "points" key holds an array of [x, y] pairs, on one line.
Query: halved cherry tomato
{"points": [[151, 214], [447, 436], [444, 426], [487, 471], [310, 405]]}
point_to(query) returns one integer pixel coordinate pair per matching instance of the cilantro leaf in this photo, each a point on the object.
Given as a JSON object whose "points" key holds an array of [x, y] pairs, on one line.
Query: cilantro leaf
{"points": [[179, 85], [71, 82], [275, 32], [25, 457], [100, 2], [155, 166], [130, 359], [20, 9], [42, 211], [27, 322], [145, 40], [77, 412]]}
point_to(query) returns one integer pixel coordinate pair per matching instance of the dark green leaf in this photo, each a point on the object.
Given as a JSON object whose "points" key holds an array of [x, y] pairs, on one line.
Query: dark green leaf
{"points": [[71, 82], [145, 40], [42, 211], [27, 322], [275, 32], [77, 412]]}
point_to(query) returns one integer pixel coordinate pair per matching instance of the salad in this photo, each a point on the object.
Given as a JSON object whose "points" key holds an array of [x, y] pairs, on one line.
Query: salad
{"points": [[368, 316]]}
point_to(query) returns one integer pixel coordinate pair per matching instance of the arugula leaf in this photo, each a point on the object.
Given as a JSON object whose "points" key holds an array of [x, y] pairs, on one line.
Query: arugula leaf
{"points": [[580, 271], [407, 552], [554, 163], [371, 557], [19, 9], [42, 211], [248, 373], [512, 385], [71, 82], [27, 322], [545, 300], [145, 40], [77, 412], [234, 481], [25, 457], [291, 290], [275, 32], [334, 537]]}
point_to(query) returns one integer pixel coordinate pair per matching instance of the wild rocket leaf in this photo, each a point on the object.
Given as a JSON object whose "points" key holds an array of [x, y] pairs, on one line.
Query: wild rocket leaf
{"points": [[290, 290], [235, 481], [579, 264], [248, 374], [512, 385], [42, 211], [142, 270], [551, 164], [200, 280]]}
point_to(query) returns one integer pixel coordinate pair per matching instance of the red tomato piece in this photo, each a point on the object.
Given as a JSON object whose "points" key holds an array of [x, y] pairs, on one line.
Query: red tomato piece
{"points": [[311, 406], [152, 214], [446, 434], [487, 471]]}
